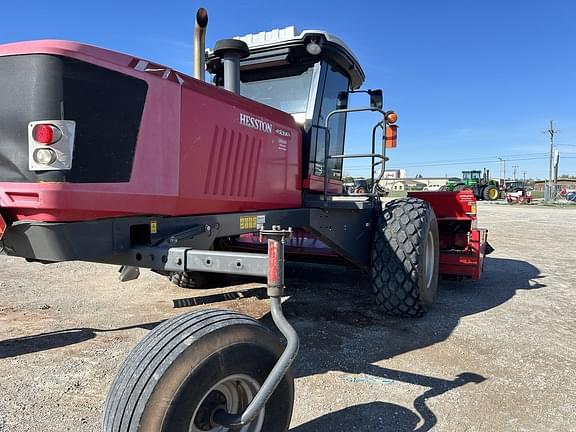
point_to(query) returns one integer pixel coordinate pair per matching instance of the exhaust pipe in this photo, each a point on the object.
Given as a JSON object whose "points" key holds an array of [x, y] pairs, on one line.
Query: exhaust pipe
{"points": [[200, 43], [231, 51]]}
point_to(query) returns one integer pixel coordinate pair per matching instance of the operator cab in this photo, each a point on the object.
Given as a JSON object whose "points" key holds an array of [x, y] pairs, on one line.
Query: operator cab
{"points": [[304, 74], [471, 175]]}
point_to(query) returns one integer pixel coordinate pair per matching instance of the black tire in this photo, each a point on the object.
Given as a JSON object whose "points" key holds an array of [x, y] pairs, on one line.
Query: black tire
{"points": [[169, 381], [460, 187], [490, 193], [405, 241], [194, 280]]}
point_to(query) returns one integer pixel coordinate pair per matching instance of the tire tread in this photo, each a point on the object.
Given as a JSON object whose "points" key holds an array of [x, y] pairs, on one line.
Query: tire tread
{"points": [[397, 245]]}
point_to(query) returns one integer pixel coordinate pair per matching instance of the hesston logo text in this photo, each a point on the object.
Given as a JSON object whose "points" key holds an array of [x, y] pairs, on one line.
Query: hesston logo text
{"points": [[254, 123]]}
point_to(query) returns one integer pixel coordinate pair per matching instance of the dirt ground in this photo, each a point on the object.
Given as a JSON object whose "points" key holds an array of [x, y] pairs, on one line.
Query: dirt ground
{"points": [[494, 355]]}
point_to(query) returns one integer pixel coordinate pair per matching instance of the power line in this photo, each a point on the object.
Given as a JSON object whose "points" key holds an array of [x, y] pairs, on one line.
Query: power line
{"points": [[482, 158], [487, 161], [431, 165]]}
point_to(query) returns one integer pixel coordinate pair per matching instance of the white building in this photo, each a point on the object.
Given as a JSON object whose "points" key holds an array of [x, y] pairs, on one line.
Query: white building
{"points": [[415, 184], [394, 174]]}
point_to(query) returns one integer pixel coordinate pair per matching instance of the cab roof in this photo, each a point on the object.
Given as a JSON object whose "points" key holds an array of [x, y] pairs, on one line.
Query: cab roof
{"points": [[285, 46]]}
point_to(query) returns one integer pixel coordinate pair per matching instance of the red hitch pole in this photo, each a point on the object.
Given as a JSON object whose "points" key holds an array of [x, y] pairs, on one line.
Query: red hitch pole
{"points": [[276, 239]]}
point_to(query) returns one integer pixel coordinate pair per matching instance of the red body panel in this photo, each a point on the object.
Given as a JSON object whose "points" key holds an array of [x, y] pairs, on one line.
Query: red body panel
{"points": [[193, 156], [450, 205], [462, 245], [468, 262]]}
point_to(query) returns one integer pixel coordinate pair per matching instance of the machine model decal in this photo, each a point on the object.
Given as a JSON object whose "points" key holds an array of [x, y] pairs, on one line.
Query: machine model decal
{"points": [[255, 123], [282, 132]]}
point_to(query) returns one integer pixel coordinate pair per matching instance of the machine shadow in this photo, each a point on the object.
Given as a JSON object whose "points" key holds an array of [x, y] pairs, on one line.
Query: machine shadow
{"points": [[341, 330], [328, 306], [384, 416], [57, 339], [258, 293], [375, 418]]}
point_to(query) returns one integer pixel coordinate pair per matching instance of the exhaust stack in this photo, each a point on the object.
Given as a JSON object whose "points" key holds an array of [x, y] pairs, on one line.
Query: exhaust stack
{"points": [[200, 43], [231, 51]]}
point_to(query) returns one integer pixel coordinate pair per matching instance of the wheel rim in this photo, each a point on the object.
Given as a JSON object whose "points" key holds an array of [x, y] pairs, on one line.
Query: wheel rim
{"points": [[493, 194], [234, 394], [430, 257]]}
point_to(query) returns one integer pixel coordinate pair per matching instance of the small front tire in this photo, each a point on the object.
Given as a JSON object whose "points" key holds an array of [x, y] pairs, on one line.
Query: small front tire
{"points": [[193, 365]]}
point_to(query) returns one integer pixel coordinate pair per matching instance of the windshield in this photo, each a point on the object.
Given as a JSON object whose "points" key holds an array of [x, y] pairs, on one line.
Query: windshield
{"points": [[471, 175], [286, 93]]}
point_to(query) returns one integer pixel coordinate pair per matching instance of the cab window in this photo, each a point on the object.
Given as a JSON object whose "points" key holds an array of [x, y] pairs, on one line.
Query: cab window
{"points": [[334, 83]]}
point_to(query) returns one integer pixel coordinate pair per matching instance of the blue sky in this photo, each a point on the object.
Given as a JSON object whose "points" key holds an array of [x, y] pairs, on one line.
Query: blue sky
{"points": [[471, 81]]}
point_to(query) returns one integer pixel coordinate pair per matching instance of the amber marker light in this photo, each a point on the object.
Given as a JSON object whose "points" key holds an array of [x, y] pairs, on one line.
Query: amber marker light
{"points": [[391, 117]]}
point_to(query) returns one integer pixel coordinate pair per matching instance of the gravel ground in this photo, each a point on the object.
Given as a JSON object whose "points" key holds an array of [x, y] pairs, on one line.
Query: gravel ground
{"points": [[499, 354]]}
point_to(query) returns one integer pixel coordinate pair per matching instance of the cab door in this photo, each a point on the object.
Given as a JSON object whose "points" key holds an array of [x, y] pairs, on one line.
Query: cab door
{"points": [[332, 83]]}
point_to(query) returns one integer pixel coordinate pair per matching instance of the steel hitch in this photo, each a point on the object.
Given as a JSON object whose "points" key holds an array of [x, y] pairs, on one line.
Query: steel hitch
{"points": [[275, 290]]}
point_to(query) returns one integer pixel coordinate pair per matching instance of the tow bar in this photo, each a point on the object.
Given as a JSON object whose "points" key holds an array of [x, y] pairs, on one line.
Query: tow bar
{"points": [[275, 290]]}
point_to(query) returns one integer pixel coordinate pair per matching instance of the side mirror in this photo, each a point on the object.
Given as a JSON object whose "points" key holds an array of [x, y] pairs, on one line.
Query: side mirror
{"points": [[342, 100], [376, 99]]}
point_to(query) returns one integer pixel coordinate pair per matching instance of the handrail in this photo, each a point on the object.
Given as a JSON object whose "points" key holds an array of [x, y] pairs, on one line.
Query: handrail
{"points": [[372, 156], [359, 155]]}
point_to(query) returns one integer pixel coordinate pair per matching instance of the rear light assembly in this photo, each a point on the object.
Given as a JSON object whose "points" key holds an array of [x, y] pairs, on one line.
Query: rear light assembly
{"points": [[50, 144], [44, 156], [46, 133]]}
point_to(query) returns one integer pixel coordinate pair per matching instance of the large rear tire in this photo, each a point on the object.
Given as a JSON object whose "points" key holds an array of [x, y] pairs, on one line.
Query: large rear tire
{"points": [[490, 193], [405, 257], [460, 187], [191, 366]]}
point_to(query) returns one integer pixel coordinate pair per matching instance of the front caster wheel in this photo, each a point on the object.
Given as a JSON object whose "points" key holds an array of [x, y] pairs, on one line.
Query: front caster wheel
{"points": [[192, 366]]}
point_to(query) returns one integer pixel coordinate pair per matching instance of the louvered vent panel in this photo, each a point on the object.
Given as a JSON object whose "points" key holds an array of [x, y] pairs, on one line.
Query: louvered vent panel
{"points": [[233, 164]]}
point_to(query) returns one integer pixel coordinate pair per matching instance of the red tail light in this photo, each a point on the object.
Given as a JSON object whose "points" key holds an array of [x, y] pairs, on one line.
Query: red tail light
{"points": [[46, 134]]}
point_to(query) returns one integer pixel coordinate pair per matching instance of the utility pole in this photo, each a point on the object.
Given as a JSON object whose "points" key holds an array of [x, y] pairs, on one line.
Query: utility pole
{"points": [[550, 191], [524, 178], [504, 176], [515, 168]]}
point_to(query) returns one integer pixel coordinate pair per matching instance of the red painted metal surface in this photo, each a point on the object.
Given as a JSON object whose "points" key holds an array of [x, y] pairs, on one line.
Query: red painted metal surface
{"points": [[468, 262], [3, 226], [450, 205], [193, 156], [462, 245], [273, 262]]}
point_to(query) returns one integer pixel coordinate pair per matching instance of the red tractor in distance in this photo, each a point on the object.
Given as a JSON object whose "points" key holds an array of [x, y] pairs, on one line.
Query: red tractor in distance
{"points": [[106, 157]]}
